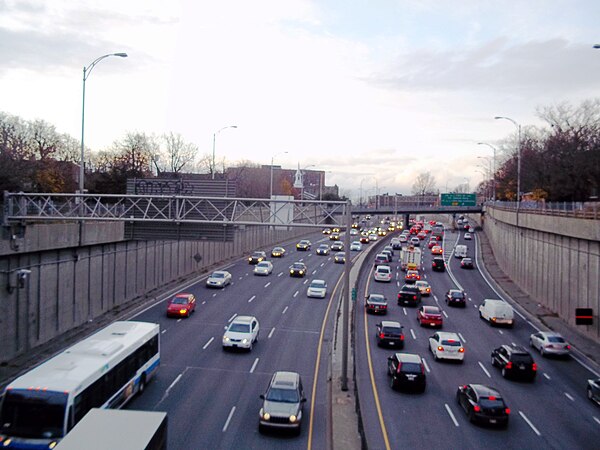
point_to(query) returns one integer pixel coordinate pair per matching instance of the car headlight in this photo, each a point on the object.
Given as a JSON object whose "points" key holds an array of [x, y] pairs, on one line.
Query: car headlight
{"points": [[301, 272], [291, 271], [244, 341], [293, 418], [266, 416], [225, 339]]}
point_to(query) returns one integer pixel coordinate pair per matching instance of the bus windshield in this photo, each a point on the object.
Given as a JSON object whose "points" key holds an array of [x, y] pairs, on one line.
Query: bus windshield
{"points": [[33, 414]]}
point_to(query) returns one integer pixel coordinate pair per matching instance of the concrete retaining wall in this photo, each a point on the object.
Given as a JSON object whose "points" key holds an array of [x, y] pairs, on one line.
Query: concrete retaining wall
{"points": [[71, 284], [556, 260]]}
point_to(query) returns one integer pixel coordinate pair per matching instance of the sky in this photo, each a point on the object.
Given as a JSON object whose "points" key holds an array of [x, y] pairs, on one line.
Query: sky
{"points": [[372, 92]]}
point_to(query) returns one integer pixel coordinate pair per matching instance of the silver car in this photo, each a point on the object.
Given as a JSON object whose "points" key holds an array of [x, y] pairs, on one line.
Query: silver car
{"points": [[317, 288], [220, 279], [242, 332], [263, 268], [283, 402], [549, 343]]}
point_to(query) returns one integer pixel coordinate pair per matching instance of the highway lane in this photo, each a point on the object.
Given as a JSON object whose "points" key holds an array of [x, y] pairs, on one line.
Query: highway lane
{"points": [[542, 414], [212, 396]]}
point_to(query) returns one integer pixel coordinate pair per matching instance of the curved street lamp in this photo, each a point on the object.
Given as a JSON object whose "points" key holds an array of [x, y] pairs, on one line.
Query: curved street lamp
{"points": [[213, 168], [493, 168], [86, 73], [271, 185], [518, 157]]}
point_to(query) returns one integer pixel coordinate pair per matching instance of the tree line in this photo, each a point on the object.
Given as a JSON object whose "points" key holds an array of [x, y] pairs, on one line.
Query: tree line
{"points": [[559, 162]]}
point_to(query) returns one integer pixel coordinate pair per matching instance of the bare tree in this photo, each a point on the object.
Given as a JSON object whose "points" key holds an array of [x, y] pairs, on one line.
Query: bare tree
{"points": [[424, 184], [178, 153], [44, 140]]}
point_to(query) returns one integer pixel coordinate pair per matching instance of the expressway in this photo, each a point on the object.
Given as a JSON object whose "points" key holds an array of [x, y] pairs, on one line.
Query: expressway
{"points": [[552, 412], [212, 396]]}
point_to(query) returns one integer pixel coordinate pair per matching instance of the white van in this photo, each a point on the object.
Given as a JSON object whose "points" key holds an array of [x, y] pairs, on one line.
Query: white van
{"points": [[497, 312], [460, 251]]}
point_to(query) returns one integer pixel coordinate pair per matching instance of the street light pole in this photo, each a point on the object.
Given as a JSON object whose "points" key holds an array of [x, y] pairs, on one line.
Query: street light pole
{"points": [[493, 169], [271, 185], [214, 167], [86, 73], [518, 159]]}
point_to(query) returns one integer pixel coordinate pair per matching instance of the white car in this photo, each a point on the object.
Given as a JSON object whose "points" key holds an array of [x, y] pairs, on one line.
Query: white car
{"points": [[444, 345], [424, 287], [242, 332], [219, 278], [372, 237], [383, 273], [471, 230], [468, 236], [549, 343], [263, 268], [415, 241], [353, 232], [356, 246], [317, 288], [497, 312]]}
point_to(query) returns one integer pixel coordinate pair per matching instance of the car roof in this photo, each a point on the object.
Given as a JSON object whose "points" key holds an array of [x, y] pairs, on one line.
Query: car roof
{"points": [[448, 335], [243, 319], [516, 349], [550, 333], [390, 323], [383, 267], [298, 263], [483, 390], [264, 263], [408, 357], [224, 272], [318, 281], [285, 380], [431, 307], [183, 295]]}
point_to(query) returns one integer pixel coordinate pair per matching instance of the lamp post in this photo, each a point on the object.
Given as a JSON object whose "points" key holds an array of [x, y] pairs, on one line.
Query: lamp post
{"points": [[86, 73], [302, 173], [271, 185], [213, 168], [493, 169], [518, 158]]}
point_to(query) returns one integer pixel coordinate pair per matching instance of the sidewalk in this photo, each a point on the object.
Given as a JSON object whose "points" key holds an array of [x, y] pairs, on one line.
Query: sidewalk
{"points": [[545, 318]]}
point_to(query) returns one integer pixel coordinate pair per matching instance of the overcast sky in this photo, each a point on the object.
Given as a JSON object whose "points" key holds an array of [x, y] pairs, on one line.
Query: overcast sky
{"points": [[373, 91]]}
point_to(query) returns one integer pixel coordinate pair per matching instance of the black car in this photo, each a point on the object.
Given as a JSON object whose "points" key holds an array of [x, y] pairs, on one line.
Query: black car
{"points": [[390, 334], [409, 295], [303, 245], [515, 362], [376, 303], [437, 264], [339, 258], [298, 269], [257, 257], [323, 249], [483, 404], [406, 370], [456, 297]]}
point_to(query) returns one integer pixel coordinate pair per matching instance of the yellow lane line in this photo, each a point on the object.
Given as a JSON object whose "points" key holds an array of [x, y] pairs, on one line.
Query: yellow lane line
{"points": [[317, 363], [370, 363]]}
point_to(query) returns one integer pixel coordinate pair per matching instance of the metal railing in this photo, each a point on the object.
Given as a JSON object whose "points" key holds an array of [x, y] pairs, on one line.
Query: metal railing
{"points": [[581, 210]]}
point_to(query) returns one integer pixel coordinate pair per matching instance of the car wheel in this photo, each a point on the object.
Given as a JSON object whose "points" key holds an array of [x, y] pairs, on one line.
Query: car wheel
{"points": [[392, 383], [590, 394], [504, 372], [493, 362], [471, 416], [142, 384]]}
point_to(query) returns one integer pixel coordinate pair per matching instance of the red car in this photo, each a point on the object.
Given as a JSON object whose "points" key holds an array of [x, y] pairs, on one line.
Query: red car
{"points": [[433, 241], [430, 315], [422, 235], [182, 305]]}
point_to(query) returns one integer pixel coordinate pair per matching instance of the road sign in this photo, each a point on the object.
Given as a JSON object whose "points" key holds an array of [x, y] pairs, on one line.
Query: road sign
{"points": [[459, 199]]}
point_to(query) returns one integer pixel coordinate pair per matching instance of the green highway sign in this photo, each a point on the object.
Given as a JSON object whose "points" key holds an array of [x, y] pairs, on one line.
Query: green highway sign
{"points": [[459, 199]]}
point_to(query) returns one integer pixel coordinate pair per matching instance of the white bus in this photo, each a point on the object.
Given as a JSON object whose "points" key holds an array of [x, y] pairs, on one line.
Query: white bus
{"points": [[102, 371]]}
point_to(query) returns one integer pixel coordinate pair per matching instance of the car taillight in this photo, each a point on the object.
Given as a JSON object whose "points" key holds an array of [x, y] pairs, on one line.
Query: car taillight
{"points": [[401, 337], [381, 335], [534, 367], [422, 369], [414, 297], [399, 366], [507, 411], [476, 408], [461, 350], [509, 365], [568, 347], [440, 348]]}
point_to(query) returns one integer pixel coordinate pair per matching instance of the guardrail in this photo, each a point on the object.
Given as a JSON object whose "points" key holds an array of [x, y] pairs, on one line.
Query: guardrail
{"points": [[581, 210]]}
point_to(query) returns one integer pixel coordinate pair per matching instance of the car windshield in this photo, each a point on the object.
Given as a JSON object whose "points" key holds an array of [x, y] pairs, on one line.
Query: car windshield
{"points": [[257, 255], [283, 395], [431, 310], [522, 359], [410, 367], [457, 295], [317, 284], [298, 266], [179, 301], [218, 275], [33, 414], [556, 339], [239, 328], [263, 264], [467, 260]]}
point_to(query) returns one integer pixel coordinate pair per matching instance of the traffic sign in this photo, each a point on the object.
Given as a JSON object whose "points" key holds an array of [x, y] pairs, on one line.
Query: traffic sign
{"points": [[459, 199]]}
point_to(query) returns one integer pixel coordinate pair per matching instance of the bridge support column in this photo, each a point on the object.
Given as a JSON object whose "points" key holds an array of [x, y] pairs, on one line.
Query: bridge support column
{"points": [[406, 217]]}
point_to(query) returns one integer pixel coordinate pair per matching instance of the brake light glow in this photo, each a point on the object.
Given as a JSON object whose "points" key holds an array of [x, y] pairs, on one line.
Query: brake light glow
{"points": [[507, 411], [401, 337], [509, 365], [440, 348], [461, 350], [476, 408], [381, 335], [492, 397], [568, 347], [534, 367]]}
